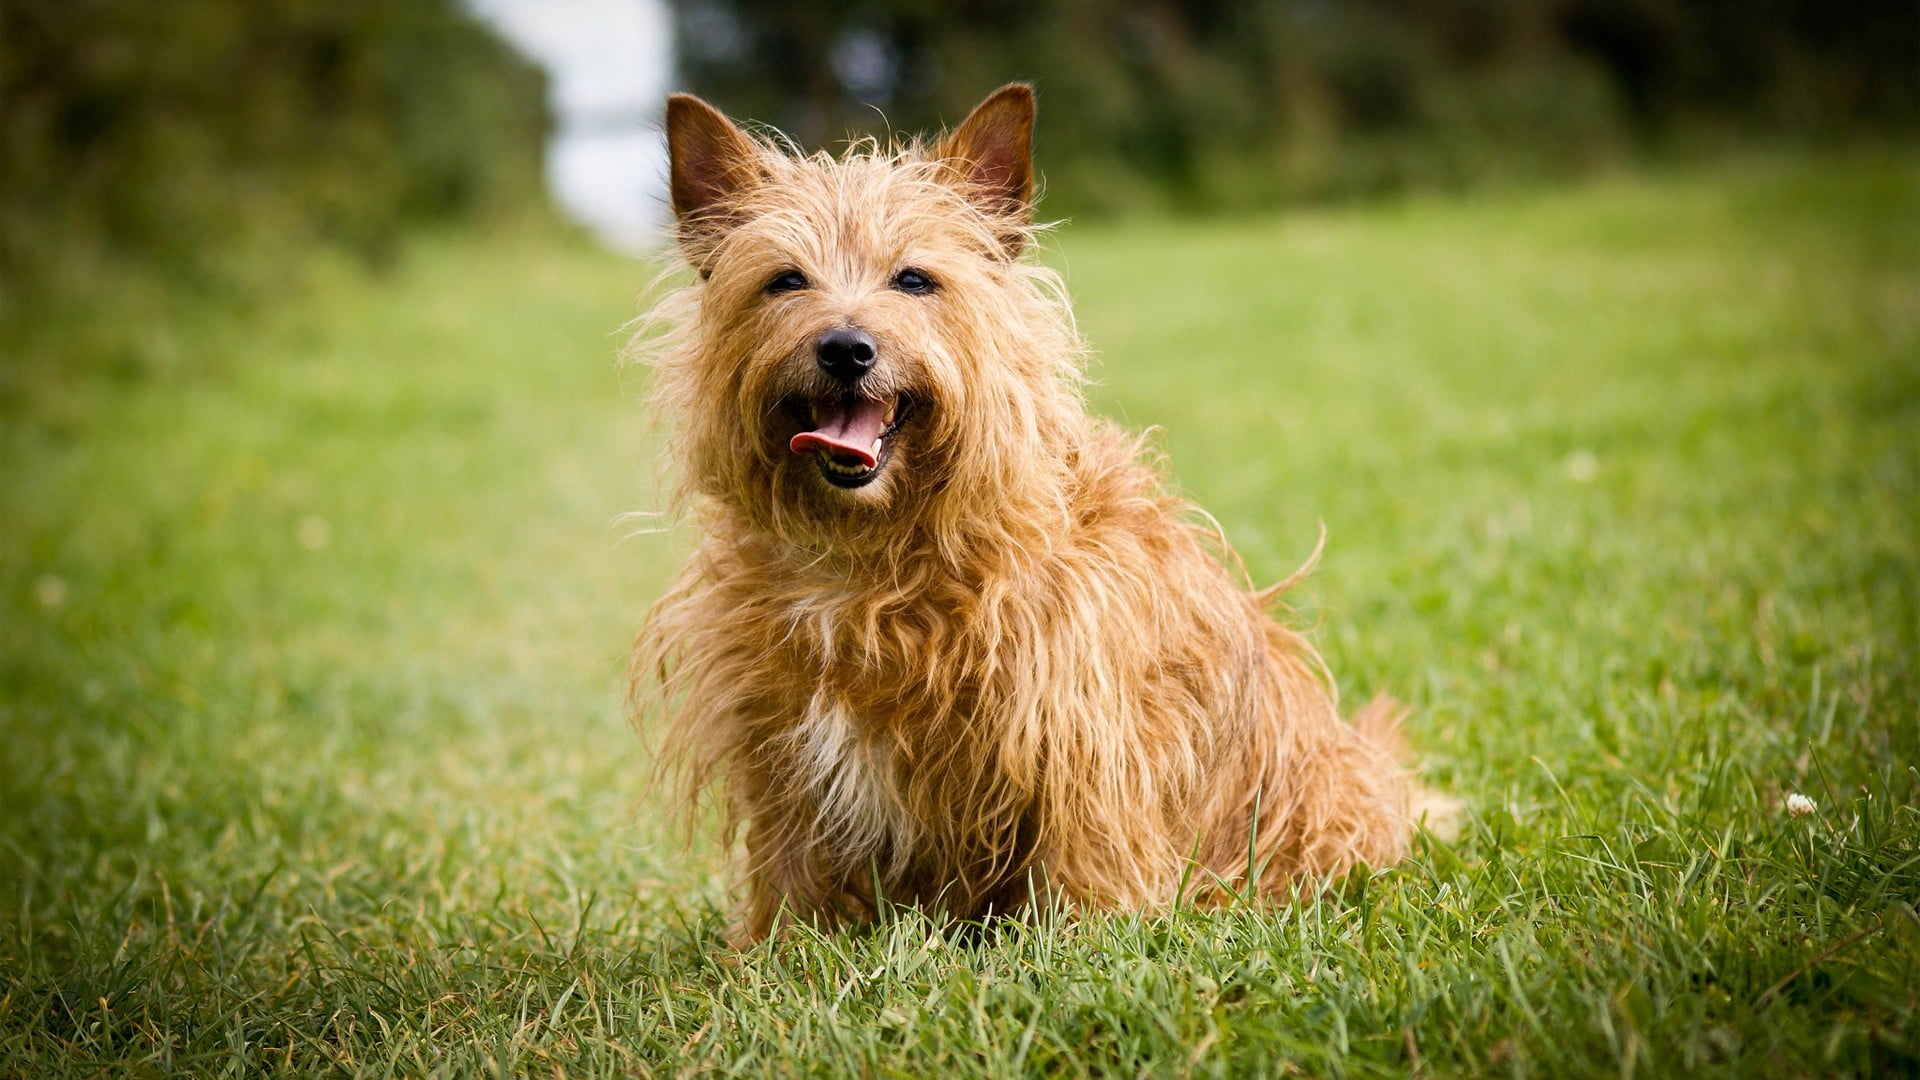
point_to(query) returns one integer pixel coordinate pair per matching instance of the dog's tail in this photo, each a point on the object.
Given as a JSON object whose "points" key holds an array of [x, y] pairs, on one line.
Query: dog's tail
{"points": [[1378, 722]]}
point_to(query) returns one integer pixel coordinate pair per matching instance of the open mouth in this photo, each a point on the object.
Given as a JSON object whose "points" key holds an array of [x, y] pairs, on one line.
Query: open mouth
{"points": [[849, 435]]}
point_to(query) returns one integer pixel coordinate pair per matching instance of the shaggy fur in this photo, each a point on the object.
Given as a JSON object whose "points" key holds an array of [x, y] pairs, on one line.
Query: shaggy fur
{"points": [[1007, 667]]}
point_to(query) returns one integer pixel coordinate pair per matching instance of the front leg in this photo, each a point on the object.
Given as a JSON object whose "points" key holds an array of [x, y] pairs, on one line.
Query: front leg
{"points": [[788, 883]]}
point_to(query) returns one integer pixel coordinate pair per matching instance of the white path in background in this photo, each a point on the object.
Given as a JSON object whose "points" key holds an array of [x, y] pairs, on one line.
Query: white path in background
{"points": [[609, 63]]}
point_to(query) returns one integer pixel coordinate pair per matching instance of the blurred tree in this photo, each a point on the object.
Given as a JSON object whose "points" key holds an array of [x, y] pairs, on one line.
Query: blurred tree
{"points": [[210, 143], [1216, 104]]}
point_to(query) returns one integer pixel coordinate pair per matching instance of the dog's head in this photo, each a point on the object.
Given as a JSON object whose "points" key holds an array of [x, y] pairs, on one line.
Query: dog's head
{"points": [[863, 346]]}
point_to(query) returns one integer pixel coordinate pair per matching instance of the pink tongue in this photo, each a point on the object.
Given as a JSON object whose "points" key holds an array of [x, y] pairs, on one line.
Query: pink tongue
{"points": [[848, 428]]}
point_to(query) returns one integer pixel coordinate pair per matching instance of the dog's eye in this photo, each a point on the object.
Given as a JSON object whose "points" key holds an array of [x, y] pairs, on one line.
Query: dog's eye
{"points": [[790, 281], [912, 281]]}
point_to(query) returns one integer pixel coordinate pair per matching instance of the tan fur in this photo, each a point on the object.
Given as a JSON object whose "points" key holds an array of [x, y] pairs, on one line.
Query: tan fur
{"points": [[1012, 665]]}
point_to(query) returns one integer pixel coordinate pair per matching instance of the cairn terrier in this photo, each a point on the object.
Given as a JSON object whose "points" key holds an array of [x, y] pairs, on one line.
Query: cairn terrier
{"points": [[946, 640]]}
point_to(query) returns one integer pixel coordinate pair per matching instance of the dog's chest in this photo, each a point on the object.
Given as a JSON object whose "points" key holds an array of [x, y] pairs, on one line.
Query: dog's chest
{"points": [[852, 782], [872, 738]]}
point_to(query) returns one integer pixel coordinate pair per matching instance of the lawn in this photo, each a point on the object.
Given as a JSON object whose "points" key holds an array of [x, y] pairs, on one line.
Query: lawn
{"points": [[313, 758]]}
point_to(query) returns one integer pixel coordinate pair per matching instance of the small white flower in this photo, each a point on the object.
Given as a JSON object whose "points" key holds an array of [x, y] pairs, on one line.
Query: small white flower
{"points": [[1582, 466], [1799, 805]]}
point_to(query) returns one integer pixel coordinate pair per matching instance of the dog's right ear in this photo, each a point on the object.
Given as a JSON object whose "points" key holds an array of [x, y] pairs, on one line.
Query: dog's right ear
{"points": [[711, 161]]}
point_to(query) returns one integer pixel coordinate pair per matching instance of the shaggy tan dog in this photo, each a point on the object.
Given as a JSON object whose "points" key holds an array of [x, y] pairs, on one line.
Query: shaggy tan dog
{"points": [[946, 640]]}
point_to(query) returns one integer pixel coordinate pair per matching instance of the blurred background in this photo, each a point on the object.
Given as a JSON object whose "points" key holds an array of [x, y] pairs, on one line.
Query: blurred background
{"points": [[205, 148]]}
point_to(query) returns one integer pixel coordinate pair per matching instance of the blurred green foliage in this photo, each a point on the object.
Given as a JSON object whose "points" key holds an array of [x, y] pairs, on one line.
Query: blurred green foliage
{"points": [[1226, 104], [153, 154]]}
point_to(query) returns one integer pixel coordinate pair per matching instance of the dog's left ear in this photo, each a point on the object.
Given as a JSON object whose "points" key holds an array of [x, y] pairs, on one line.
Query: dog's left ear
{"points": [[711, 161], [992, 153]]}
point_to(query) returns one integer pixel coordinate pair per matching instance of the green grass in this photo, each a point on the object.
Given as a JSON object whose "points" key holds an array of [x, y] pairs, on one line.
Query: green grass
{"points": [[312, 756]]}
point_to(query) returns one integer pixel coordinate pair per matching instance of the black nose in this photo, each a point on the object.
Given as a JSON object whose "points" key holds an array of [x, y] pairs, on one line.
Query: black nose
{"points": [[846, 354]]}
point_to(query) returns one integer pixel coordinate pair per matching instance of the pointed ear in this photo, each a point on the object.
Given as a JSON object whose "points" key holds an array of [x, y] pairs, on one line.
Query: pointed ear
{"points": [[711, 161], [992, 151]]}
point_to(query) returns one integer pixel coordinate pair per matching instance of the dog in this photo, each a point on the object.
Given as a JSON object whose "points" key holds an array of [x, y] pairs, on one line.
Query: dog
{"points": [[946, 640]]}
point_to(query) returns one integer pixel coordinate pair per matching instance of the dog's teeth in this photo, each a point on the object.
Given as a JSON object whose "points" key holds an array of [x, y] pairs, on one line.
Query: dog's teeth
{"points": [[876, 447]]}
